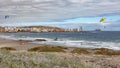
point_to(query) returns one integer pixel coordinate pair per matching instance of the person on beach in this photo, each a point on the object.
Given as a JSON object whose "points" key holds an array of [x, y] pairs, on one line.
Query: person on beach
{"points": [[56, 39]]}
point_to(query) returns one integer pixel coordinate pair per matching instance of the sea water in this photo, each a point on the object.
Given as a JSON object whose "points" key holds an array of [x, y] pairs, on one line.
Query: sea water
{"points": [[90, 39]]}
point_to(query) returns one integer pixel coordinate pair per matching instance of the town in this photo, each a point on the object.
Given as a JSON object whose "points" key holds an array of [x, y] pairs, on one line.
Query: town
{"points": [[38, 29]]}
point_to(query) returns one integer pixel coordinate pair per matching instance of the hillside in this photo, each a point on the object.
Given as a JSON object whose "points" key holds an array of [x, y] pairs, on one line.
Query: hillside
{"points": [[31, 29]]}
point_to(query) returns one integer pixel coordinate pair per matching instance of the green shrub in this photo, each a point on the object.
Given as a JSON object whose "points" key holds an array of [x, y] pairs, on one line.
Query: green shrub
{"points": [[48, 49], [40, 60], [105, 51], [7, 48], [80, 51]]}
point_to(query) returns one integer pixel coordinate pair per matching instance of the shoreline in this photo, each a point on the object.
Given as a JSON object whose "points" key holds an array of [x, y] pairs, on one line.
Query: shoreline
{"points": [[25, 45], [100, 41], [104, 58]]}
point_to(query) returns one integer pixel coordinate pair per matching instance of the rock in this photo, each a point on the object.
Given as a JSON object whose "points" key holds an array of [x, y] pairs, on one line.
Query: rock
{"points": [[40, 40]]}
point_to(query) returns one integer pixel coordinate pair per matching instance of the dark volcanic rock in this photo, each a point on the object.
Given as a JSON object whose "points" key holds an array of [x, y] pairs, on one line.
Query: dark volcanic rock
{"points": [[40, 40]]}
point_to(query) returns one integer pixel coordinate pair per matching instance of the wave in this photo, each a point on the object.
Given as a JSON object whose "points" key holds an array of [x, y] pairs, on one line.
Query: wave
{"points": [[83, 44], [13, 37], [67, 42]]}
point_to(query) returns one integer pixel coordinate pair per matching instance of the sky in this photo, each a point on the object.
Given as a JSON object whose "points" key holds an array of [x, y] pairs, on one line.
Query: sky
{"points": [[61, 13]]}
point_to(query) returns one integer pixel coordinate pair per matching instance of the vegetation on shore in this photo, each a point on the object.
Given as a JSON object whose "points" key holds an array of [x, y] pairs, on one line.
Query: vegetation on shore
{"points": [[97, 51], [38, 60], [8, 48], [43, 57], [80, 51], [48, 49], [105, 51]]}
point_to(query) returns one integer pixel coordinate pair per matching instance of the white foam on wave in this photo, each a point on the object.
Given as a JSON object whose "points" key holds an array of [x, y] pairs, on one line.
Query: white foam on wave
{"points": [[83, 44], [68, 43], [12, 37], [31, 38], [7, 37]]}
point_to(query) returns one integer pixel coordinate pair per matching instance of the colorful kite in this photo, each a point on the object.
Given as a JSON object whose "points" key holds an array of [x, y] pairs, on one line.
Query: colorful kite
{"points": [[102, 21], [7, 16]]}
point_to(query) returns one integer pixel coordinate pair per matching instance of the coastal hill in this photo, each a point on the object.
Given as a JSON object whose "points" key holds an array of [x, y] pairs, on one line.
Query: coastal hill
{"points": [[31, 29], [47, 28]]}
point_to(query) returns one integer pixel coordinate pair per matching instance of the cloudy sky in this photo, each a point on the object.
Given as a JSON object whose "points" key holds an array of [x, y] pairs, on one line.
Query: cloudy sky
{"points": [[62, 13]]}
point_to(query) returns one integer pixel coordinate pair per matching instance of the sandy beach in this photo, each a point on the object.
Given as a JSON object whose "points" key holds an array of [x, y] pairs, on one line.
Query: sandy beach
{"points": [[18, 45], [98, 61], [59, 34]]}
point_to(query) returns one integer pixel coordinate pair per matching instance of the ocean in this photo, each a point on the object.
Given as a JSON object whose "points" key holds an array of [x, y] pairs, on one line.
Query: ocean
{"points": [[90, 39]]}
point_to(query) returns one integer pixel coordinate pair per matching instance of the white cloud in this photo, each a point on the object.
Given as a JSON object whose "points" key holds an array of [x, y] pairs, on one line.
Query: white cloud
{"points": [[79, 1], [54, 10]]}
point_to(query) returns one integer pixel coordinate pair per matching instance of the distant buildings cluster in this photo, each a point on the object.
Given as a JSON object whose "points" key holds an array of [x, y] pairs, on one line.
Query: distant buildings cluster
{"points": [[74, 29], [38, 29]]}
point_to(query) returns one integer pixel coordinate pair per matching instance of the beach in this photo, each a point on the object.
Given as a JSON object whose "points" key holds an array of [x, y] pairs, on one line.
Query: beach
{"points": [[103, 60], [59, 34], [19, 45], [104, 39]]}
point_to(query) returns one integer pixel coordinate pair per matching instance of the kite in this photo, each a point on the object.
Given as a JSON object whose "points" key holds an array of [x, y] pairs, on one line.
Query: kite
{"points": [[7, 16], [102, 21]]}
